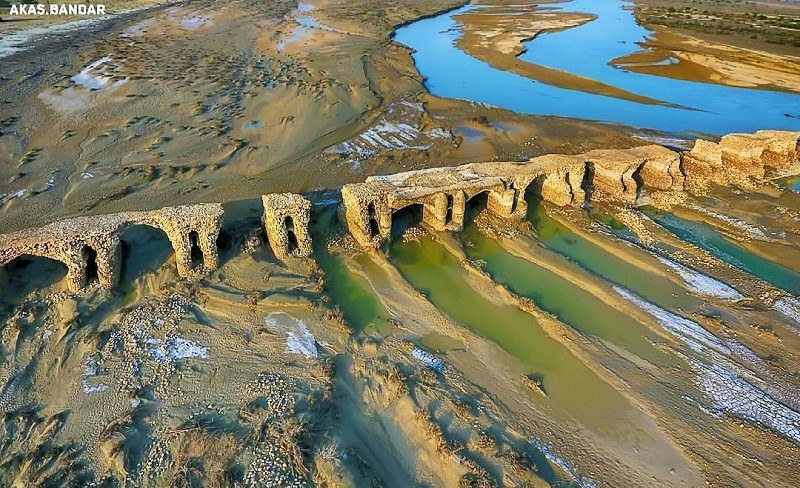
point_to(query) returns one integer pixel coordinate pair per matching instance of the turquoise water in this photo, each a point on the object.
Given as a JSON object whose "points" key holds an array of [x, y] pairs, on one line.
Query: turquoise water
{"points": [[570, 303], [586, 51], [707, 238], [557, 237], [570, 385], [360, 307]]}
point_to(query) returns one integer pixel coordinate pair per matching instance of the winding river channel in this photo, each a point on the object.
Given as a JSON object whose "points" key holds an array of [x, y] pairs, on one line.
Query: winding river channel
{"points": [[587, 51]]}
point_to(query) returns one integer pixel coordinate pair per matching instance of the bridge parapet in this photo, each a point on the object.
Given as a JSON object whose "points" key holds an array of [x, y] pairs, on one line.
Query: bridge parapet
{"points": [[739, 158]]}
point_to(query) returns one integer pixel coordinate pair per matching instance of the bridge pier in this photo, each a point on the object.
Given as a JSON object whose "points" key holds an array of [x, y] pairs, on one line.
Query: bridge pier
{"points": [[556, 189], [501, 202], [286, 219], [614, 184], [445, 212], [367, 213]]}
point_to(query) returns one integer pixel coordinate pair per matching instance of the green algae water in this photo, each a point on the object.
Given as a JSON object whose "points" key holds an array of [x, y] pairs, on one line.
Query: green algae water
{"points": [[705, 237], [557, 237], [359, 306], [570, 385], [571, 304]]}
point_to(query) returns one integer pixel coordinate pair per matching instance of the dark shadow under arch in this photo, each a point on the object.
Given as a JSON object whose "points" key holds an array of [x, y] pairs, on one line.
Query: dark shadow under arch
{"points": [[448, 216], [195, 252], [145, 248], [89, 258], [587, 184], [475, 205], [374, 228], [406, 218], [637, 177], [292, 244], [27, 273]]}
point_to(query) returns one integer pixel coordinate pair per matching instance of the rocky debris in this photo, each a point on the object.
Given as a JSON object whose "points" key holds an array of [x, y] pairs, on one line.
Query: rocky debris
{"points": [[286, 218], [145, 346], [276, 458]]}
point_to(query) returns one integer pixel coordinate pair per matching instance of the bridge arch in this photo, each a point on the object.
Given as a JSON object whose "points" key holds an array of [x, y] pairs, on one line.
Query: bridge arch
{"points": [[373, 228], [406, 217], [144, 247], [292, 245], [195, 251], [91, 270], [26, 272], [476, 204]]}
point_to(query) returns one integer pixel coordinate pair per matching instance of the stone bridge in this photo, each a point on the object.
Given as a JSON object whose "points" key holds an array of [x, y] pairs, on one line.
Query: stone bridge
{"points": [[90, 247], [613, 175]]}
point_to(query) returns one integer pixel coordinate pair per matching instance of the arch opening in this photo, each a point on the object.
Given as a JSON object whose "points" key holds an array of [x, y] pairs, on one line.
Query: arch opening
{"points": [[195, 252], [587, 184], [475, 205], [448, 216], [89, 259], [406, 218], [144, 249], [374, 228], [534, 189], [26, 273], [637, 178], [291, 238]]}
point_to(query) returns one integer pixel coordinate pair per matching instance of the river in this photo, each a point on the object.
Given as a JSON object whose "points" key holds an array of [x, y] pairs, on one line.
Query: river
{"points": [[587, 50]]}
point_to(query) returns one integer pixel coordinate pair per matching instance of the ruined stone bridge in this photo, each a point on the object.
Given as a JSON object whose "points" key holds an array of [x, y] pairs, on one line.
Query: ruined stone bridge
{"points": [[612, 175], [90, 247]]}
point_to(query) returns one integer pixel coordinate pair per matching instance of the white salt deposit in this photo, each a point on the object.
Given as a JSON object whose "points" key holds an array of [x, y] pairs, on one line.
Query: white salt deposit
{"points": [[751, 230], [90, 370], [393, 132], [22, 40], [702, 283], [299, 338], [174, 348], [565, 466], [789, 307], [94, 76], [195, 21], [737, 397], [689, 331], [730, 392], [428, 359]]}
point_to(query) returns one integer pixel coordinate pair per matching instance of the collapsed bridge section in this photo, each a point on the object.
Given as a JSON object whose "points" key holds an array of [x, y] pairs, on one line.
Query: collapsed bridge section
{"points": [[90, 247]]}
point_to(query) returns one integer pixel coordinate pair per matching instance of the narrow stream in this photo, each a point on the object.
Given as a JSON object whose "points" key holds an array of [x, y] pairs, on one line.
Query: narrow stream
{"points": [[557, 237], [570, 303], [705, 237], [570, 385], [359, 306]]}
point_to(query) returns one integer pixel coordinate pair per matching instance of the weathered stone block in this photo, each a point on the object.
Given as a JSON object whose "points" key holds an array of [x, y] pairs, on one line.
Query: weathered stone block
{"points": [[286, 218]]}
